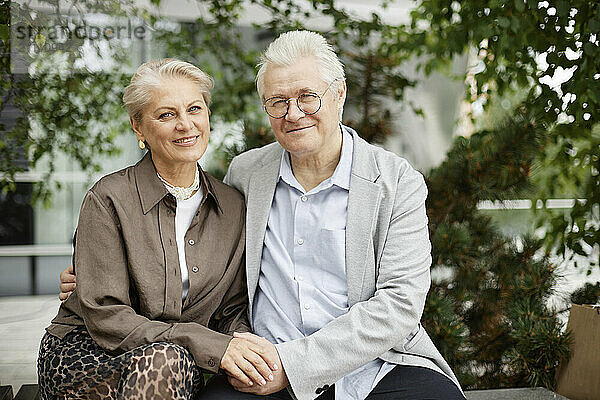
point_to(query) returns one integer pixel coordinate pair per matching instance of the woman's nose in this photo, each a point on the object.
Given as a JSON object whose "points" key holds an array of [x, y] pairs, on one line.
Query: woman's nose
{"points": [[184, 123]]}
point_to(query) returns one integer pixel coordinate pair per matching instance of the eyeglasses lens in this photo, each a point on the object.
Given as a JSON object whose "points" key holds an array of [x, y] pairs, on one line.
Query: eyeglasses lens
{"points": [[308, 103]]}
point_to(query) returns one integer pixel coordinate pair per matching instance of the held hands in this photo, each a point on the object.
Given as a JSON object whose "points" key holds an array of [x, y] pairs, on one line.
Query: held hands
{"points": [[278, 379], [249, 359], [249, 362], [67, 283]]}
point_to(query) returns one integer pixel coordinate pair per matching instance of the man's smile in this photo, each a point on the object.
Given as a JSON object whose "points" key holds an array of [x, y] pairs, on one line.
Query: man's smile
{"points": [[298, 129]]}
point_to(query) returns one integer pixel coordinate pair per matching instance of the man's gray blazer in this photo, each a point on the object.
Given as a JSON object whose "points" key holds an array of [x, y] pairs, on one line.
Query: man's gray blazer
{"points": [[388, 256]]}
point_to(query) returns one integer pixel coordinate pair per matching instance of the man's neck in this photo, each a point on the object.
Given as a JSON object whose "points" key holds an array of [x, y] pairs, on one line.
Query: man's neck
{"points": [[311, 170]]}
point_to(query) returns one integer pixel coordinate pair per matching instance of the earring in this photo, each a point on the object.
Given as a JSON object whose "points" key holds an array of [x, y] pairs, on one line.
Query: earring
{"points": [[141, 144]]}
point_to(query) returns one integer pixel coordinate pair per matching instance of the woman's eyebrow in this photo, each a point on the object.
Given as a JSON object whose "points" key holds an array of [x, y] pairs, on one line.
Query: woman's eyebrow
{"points": [[164, 107], [175, 108], [194, 102]]}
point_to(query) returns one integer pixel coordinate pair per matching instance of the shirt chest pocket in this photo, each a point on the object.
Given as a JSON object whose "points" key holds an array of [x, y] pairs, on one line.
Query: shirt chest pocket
{"points": [[332, 260]]}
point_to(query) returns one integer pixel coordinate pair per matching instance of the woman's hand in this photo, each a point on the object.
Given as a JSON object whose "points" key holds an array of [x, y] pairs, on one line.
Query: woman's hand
{"points": [[67, 283], [280, 380], [249, 362]]}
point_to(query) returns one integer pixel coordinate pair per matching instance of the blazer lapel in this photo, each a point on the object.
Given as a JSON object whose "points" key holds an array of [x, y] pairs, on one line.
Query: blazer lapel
{"points": [[258, 205], [363, 202]]}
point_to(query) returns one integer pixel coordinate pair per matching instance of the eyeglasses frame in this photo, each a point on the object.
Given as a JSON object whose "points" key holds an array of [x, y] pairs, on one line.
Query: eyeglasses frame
{"points": [[297, 102]]}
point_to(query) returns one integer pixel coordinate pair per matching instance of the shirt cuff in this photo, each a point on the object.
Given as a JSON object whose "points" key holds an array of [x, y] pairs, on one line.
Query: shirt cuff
{"points": [[207, 346]]}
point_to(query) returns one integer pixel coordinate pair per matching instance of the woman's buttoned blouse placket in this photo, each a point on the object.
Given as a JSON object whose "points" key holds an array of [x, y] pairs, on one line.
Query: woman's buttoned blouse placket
{"points": [[166, 219], [197, 242]]}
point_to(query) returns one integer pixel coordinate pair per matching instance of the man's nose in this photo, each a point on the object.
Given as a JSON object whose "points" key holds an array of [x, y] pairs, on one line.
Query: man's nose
{"points": [[294, 112]]}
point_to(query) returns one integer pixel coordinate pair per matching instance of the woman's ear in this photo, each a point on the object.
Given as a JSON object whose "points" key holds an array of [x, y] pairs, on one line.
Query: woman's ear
{"points": [[136, 130]]}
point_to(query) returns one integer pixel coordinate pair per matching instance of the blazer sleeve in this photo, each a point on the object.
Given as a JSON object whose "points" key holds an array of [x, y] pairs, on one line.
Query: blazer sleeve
{"points": [[103, 288], [229, 178], [372, 327]]}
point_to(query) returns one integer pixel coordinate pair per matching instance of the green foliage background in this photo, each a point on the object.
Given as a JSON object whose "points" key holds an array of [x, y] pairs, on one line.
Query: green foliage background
{"points": [[489, 316]]}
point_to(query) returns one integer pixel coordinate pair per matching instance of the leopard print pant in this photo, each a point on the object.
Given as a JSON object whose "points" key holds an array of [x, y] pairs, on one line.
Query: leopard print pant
{"points": [[75, 367]]}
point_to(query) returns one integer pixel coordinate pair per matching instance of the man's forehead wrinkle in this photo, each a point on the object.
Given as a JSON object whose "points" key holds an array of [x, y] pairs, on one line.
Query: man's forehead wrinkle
{"points": [[285, 93], [291, 80], [286, 85]]}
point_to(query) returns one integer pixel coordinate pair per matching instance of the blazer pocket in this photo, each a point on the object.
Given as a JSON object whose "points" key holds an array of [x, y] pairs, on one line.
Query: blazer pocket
{"points": [[414, 338]]}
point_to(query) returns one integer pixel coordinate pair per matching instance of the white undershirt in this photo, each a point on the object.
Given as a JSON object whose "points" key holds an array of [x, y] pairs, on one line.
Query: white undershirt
{"points": [[186, 209]]}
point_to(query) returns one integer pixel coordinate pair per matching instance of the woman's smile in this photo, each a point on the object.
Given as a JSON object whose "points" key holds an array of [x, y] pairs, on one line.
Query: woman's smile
{"points": [[186, 141]]}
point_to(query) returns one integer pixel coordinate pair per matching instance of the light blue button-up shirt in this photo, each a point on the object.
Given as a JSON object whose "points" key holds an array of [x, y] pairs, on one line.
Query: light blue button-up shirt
{"points": [[302, 284]]}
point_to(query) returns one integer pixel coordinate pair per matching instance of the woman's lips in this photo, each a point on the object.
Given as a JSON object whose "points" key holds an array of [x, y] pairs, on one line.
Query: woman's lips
{"points": [[186, 141]]}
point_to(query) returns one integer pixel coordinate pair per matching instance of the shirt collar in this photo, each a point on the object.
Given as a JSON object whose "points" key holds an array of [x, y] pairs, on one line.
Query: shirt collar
{"points": [[151, 190], [341, 175], [343, 171]]}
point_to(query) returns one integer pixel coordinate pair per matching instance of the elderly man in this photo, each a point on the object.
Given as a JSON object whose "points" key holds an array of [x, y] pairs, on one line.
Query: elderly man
{"points": [[337, 246]]}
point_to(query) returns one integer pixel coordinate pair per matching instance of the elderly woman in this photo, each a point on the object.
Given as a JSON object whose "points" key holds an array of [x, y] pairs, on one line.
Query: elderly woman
{"points": [[159, 253]]}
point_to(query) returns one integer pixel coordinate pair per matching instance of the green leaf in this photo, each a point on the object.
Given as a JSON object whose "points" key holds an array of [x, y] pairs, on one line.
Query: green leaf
{"points": [[40, 40], [4, 32], [563, 8], [520, 5], [590, 48], [504, 22]]}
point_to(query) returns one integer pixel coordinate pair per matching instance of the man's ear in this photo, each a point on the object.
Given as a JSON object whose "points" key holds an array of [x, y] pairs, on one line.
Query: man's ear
{"points": [[341, 98], [342, 93]]}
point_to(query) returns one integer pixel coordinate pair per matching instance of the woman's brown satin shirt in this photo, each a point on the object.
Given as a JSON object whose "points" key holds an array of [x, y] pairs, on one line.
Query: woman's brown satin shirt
{"points": [[128, 276]]}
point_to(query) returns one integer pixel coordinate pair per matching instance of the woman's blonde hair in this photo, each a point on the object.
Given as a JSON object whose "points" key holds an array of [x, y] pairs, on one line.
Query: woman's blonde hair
{"points": [[152, 74]]}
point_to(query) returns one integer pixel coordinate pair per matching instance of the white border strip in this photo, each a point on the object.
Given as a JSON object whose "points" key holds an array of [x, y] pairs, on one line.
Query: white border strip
{"points": [[36, 250], [527, 204]]}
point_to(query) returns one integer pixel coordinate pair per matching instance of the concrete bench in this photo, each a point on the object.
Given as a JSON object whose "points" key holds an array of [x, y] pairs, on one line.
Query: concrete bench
{"points": [[30, 392], [6, 392], [26, 392], [513, 394]]}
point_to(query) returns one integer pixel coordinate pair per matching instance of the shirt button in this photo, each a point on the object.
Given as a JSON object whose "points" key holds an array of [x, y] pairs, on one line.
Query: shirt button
{"points": [[300, 241], [191, 242], [195, 269], [211, 362], [303, 198], [307, 306]]}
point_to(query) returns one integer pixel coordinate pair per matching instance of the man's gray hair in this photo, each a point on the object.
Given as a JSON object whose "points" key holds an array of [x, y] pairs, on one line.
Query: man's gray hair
{"points": [[290, 46], [152, 74]]}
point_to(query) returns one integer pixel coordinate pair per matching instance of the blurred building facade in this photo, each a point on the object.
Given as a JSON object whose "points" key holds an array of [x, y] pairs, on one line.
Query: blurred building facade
{"points": [[36, 240]]}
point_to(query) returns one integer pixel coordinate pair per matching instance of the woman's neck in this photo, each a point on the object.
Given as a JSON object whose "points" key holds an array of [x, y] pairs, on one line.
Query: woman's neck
{"points": [[181, 175]]}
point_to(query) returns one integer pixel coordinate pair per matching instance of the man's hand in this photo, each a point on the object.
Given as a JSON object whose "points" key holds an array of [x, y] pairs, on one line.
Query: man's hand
{"points": [[67, 283], [249, 362], [279, 380]]}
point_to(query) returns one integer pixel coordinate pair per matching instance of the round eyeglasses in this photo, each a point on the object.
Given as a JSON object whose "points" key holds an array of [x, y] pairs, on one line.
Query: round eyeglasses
{"points": [[309, 103]]}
